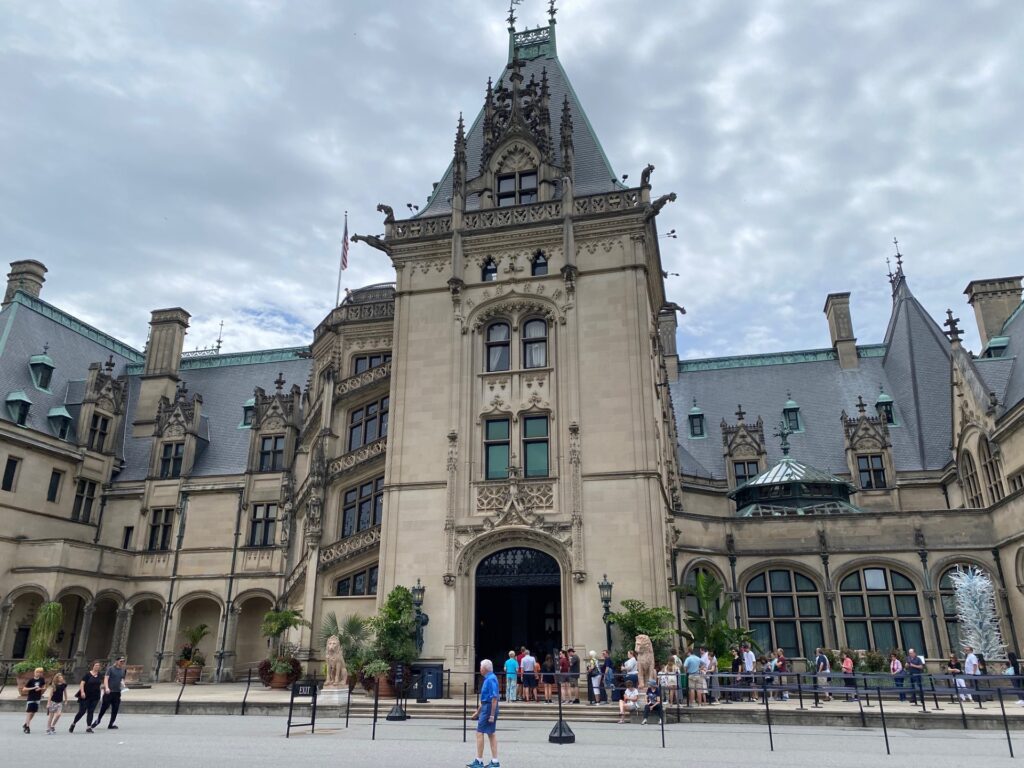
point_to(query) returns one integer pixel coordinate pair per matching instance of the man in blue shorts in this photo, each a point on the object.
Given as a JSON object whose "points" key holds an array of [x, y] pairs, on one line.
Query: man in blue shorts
{"points": [[486, 716]]}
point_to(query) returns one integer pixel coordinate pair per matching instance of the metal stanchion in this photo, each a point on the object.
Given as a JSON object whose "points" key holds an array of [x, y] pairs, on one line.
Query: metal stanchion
{"points": [[935, 696], [800, 693], [960, 701], [348, 705], [245, 698], [1006, 725], [767, 714], [881, 711], [465, 711], [376, 699], [977, 694], [561, 733], [661, 697]]}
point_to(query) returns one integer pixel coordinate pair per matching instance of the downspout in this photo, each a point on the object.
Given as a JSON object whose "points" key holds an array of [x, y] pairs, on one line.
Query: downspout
{"points": [[229, 604], [174, 578], [1005, 598], [99, 518]]}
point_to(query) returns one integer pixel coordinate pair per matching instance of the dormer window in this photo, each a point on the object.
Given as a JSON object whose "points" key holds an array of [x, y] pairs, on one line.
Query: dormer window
{"points": [[489, 271], [517, 188], [60, 422], [41, 367], [248, 412], [696, 419], [98, 430], [18, 406], [884, 407], [539, 265]]}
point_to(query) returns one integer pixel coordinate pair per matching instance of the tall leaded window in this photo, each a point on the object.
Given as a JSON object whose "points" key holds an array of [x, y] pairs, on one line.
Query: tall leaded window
{"points": [[991, 471], [358, 584], [10, 473], [368, 423], [539, 264], [271, 453], [171, 455], [489, 271], [262, 524], [881, 611], [969, 479], [535, 344], [517, 188], [362, 506], [53, 490], [784, 611], [535, 446], [98, 433], [85, 495], [362, 363], [871, 468], [499, 347], [744, 470], [161, 522], [496, 448]]}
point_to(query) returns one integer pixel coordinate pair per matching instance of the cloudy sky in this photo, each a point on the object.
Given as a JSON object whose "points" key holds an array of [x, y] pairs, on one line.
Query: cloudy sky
{"points": [[202, 154]]}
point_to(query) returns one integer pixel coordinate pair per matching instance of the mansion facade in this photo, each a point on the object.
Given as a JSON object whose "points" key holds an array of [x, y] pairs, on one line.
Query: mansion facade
{"points": [[505, 425]]}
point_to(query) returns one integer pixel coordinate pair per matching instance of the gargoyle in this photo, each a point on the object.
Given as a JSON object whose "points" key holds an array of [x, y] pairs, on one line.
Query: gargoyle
{"points": [[645, 176], [373, 241], [658, 204], [388, 211]]}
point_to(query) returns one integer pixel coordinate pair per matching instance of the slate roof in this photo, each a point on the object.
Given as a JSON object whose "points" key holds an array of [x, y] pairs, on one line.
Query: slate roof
{"points": [[1013, 392], [225, 382], [912, 366], [593, 172], [27, 324]]}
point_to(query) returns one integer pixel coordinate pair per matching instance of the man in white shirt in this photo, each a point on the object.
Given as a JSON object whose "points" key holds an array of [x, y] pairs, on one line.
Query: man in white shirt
{"points": [[970, 662], [528, 665], [748, 669]]}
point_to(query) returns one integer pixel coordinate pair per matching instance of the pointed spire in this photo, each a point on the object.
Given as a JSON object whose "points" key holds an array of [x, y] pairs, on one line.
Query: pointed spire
{"points": [[551, 11], [459, 166], [512, 14], [568, 150]]}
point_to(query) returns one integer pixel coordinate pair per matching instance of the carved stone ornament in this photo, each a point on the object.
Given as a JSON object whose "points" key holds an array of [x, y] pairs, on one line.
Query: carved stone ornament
{"points": [[176, 418], [348, 547], [865, 433], [743, 439]]}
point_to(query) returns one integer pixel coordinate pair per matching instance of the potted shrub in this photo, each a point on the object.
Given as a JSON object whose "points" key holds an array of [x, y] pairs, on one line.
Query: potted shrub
{"points": [[353, 633], [49, 619], [282, 668], [191, 660], [394, 639]]}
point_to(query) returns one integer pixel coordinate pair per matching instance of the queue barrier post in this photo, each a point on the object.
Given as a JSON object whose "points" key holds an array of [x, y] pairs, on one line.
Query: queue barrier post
{"points": [[881, 711]]}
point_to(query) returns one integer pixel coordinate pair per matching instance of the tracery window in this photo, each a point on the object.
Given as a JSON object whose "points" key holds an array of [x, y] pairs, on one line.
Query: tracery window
{"points": [[498, 347], [171, 456], [969, 479], [744, 471], [368, 423], [362, 506], [991, 470], [539, 264], [871, 468], [881, 611], [98, 433], [489, 271], [272, 453], [362, 363], [784, 611], [358, 584], [517, 188], [262, 525], [535, 344]]}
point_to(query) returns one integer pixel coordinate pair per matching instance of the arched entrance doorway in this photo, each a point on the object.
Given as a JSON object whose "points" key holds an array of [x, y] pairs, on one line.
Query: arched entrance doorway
{"points": [[518, 602]]}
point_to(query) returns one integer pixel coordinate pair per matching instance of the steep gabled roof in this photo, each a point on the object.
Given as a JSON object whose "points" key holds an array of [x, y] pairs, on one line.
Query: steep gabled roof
{"points": [[593, 172], [1013, 392]]}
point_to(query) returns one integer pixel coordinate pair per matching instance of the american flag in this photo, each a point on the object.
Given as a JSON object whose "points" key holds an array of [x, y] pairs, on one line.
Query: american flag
{"points": [[344, 245]]}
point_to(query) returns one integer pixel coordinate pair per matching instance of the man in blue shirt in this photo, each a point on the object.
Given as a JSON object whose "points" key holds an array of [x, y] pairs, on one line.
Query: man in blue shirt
{"points": [[486, 716], [511, 676], [692, 668]]}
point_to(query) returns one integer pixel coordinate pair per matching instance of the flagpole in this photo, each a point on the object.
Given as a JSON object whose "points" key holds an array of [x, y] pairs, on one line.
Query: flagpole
{"points": [[344, 260]]}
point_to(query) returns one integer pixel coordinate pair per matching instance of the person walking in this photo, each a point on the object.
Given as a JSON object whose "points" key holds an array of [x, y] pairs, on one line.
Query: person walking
{"points": [[511, 676], [486, 716], [88, 696], [848, 681], [822, 668], [915, 669], [896, 670], [56, 705], [113, 684], [33, 688], [528, 668]]}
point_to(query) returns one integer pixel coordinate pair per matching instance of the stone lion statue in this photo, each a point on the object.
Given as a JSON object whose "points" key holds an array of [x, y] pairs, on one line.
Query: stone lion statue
{"points": [[645, 666], [337, 674]]}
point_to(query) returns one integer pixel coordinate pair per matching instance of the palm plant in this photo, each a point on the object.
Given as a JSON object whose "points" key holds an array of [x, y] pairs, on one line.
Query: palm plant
{"points": [[49, 619], [709, 624], [276, 623], [353, 633], [190, 655]]}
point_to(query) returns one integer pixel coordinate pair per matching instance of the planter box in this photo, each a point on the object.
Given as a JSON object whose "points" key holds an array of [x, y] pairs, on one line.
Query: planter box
{"points": [[188, 675], [133, 673]]}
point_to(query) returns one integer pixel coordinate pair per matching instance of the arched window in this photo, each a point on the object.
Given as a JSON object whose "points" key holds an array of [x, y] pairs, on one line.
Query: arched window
{"points": [[784, 611], [881, 611], [690, 602], [535, 344], [539, 264], [969, 479], [498, 347], [991, 471], [949, 613], [489, 271]]}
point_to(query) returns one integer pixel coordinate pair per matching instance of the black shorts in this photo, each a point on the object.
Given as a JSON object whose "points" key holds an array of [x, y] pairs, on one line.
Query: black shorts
{"points": [[529, 680], [32, 706]]}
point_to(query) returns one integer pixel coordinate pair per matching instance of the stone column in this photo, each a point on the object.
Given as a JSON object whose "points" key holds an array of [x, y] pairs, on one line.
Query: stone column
{"points": [[83, 637], [228, 653], [5, 619], [122, 625]]}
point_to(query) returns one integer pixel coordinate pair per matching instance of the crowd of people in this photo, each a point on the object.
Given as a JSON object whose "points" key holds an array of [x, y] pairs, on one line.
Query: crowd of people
{"points": [[97, 687]]}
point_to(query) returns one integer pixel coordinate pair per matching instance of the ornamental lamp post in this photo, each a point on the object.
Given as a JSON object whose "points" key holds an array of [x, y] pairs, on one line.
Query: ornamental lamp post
{"points": [[421, 618], [604, 588]]}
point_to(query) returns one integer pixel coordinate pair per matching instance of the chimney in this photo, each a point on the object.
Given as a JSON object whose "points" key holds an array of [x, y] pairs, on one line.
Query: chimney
{"points": [[667, 326], [26, 276], [840, 328], [160, 369], [993, 301]]}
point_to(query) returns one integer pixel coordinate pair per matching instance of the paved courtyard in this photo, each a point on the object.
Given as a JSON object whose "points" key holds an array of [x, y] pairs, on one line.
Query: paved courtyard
{"points": [[163, 740]]}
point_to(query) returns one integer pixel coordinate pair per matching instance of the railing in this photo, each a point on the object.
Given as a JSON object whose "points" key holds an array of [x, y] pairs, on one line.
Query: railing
{"points": [[364, 379], [355, 458]]}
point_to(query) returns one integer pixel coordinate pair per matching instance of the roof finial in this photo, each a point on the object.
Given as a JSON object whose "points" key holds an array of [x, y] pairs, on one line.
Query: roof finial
{"points": [[512, 14], [740, 413], [954, 329], [899, 257], [783, 432], [552, 11], [888, 266], [109, 365], [861, 405], [220, 337], [279, 381], [46, 347]]}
